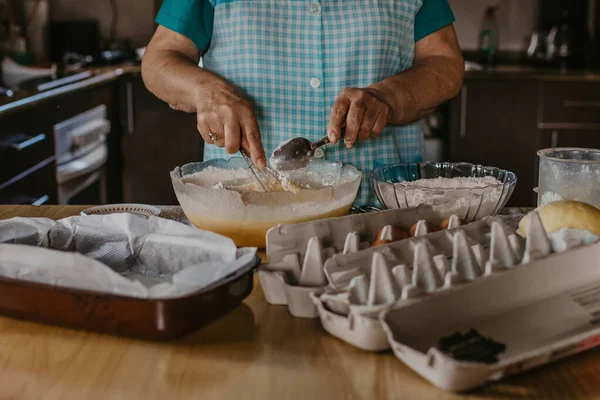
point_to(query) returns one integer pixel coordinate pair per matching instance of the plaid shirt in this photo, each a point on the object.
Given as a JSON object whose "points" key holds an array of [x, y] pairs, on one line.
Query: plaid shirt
{"points": [[292, 58]]}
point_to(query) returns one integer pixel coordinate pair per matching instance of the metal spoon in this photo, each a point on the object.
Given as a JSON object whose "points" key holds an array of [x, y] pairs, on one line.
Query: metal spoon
{"points": [[265, 177], [295, 153]]}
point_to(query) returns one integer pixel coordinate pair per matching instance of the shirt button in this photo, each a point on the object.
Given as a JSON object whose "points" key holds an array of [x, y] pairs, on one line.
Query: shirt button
{"points": [[315, 82], [319, 153], [315, 8]]}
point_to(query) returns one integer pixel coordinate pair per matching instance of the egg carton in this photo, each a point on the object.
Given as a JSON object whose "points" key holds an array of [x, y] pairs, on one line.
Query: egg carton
{"points": [[364, 284], [297, 253], [500, 325]]}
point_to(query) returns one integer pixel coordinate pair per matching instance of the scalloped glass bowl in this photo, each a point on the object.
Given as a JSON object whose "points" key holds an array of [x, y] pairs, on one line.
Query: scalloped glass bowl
{"points": [[469, 203], [246, 216]]}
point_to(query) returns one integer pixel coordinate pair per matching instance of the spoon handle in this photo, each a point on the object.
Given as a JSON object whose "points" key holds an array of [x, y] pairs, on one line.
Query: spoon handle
{"points": [[319, 143], [323, 141]]}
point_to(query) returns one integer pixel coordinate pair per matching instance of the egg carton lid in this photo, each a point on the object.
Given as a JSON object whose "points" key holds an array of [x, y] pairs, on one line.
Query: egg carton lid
{"points": [[501, 324]]}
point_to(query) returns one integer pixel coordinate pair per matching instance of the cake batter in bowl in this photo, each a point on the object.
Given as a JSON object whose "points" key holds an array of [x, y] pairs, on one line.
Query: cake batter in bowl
{"points": [[221, 196]]}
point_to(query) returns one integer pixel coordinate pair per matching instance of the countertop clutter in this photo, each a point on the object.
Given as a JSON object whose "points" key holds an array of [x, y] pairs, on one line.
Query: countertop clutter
{"points": [[256, 351]]}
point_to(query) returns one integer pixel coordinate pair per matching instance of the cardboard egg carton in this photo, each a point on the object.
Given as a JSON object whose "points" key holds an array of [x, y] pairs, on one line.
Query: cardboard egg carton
{"points": [[364, 284], [297, 253], [543, 310]]}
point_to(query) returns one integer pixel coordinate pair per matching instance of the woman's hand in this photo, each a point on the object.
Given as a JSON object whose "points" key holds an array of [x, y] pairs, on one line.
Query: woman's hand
{"points": [[170, 71], [226, 118], [363, 112]]}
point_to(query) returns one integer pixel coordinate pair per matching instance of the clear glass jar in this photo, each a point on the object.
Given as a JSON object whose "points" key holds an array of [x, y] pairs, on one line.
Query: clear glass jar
{"points": [[569, 174]]}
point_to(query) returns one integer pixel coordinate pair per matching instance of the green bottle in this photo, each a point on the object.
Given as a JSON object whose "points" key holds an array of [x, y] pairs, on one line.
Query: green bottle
{"points": [[488, 37]]}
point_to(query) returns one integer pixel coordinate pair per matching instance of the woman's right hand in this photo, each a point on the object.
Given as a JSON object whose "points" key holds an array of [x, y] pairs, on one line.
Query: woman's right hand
{"points": [[226, 118]]}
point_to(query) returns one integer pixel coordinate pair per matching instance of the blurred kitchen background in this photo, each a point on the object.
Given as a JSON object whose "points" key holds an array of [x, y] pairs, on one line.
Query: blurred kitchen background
{"points": [[77, 125]]}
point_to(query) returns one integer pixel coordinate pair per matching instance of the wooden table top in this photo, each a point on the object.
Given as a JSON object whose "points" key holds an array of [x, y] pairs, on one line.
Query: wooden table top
{"points": [[257, 351]]}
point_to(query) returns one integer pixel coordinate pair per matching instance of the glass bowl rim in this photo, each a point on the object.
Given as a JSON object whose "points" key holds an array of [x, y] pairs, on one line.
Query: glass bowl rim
{"points": [[543, 154], [178, 171], [512, 177]]}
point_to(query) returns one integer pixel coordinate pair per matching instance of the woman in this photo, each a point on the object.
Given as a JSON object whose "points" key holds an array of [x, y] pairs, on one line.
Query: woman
{"points": [[275, 69]]}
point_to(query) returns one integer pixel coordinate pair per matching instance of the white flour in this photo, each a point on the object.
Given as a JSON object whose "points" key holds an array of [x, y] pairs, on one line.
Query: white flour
{"points": [[241, 180], [470, 195], [453, 183]]}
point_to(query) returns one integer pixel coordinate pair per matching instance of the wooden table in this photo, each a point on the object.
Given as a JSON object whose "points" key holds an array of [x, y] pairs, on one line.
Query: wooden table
{"points": [[258, 351]]}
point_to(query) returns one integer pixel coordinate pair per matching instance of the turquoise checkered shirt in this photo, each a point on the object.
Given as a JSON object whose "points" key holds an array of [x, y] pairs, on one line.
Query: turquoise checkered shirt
{"points": [[293, 57]]}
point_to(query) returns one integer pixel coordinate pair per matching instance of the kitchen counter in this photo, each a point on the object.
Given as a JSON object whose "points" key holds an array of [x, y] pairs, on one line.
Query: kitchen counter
{"points": [[532, 74], [257, 351], [28, 98]]}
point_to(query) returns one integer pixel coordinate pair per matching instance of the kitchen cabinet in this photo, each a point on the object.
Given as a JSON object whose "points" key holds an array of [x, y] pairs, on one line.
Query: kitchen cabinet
{"points": [[572, 138], [95, 184], [494, 123], [504, 124], [569, 106], [38, 187], [28, 159], [25, 142], [155, 140]]}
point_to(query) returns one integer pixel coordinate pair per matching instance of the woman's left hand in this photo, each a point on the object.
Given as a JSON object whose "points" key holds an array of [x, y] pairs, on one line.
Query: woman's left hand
{"points": [[363, 112]]}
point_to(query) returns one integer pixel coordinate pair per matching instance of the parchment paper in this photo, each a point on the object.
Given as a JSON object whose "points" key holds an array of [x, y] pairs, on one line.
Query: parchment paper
{"points": [[121, 254]]}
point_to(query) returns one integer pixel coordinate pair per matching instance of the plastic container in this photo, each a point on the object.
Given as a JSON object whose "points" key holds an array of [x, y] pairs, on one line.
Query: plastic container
{"points": [[469, 203], [569, 174], [488, 37], [245, 216]]}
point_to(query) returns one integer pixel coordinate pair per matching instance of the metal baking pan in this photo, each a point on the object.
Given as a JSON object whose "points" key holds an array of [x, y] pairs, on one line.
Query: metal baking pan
{"points": [[151, 319]]}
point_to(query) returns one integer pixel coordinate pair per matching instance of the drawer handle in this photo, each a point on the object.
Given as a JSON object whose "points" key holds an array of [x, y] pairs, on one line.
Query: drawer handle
{"points": [[463, 113], [42, 200], [29, 142], [582, 104], [554, 139], [130, 108]]}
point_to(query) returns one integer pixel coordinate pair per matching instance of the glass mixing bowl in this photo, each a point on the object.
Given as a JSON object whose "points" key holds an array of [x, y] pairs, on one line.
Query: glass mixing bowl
{"points": [[469, 203], [205, 191]]}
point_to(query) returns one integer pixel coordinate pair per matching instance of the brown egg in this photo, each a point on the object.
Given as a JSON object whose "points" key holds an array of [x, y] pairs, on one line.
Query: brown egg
{"points": [[432, 228], [397, 234], [379, 243], [413, 230], [446, 222]]}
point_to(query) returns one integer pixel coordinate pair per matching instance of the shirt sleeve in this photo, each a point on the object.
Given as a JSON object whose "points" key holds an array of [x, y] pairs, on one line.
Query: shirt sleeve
{"points": [[191, 18], [433, 16]]}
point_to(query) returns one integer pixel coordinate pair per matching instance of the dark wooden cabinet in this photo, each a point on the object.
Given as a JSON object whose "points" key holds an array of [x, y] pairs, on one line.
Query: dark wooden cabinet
{"points": [[38, 187], [504, 124], [572, 138], [569, 106], [27, 161], [25, 142], [155, 140], [27, 146], [493, 123]]}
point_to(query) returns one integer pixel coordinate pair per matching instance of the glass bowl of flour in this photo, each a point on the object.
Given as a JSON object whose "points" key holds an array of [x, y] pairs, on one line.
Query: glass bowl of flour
{"points": [[223, 197], [470, 191]]}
